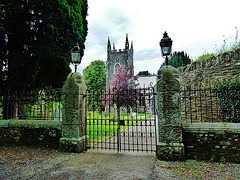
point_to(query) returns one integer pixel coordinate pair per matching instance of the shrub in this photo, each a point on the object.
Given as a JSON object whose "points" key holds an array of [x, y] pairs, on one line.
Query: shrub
{"points": [[228, 94], [205, 56]]}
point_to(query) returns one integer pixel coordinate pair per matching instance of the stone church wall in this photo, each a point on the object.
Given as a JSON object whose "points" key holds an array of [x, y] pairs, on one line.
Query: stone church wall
{"points": [[222, 67], [117, 58]]}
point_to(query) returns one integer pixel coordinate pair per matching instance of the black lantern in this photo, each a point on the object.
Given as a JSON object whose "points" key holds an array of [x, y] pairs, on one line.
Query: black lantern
{"points": [[166, 46], [76, 56]]}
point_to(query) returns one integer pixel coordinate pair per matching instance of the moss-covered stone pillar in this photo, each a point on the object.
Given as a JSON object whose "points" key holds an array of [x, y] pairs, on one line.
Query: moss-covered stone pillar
{"points": [[170, 146], [74, 137]]}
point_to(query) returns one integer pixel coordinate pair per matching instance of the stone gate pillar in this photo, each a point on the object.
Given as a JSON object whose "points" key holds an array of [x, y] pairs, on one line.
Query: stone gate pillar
{"points": [[74, 138], [170, 146]]}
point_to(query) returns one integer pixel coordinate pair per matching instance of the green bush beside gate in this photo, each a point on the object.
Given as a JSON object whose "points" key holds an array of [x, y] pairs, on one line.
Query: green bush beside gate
{"points": [[229, 100]]}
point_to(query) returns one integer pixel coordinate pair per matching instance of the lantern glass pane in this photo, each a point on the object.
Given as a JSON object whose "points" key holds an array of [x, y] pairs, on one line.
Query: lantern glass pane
{"points": [[166, 50], [75, 57]]}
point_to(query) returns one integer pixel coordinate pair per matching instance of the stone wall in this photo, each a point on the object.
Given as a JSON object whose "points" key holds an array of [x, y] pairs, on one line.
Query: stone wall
{"points": [[30, 132], [222, 67], [203, 105], [212, 141]]}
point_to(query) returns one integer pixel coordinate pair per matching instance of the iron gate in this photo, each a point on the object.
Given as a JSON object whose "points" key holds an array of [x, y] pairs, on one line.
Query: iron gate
{"points": [[122, 120]]}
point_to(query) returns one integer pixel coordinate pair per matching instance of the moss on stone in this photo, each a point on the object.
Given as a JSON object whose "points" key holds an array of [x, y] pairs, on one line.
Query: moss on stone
{"points": [[167, 79], [76, 145], [73, 114], [169, 116], [31, 124]]}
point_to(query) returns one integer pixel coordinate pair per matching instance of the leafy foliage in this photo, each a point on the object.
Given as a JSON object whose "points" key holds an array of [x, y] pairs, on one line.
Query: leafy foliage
{"points": [[229, 100], [2, 49], [205, 56], [37, 38], [179, 59], [122, 89], [143, 73], [95, 77]]}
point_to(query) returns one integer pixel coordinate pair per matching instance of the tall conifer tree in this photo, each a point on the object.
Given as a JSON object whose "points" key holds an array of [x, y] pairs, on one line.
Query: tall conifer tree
{"points": [[38, 35]]}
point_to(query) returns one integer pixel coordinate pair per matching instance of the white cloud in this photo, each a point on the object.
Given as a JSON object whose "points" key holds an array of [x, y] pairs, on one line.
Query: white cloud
{"points": [[195, 27]]}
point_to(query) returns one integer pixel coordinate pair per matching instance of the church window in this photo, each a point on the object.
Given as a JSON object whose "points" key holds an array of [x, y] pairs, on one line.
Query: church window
{"points": [[116, 68]]}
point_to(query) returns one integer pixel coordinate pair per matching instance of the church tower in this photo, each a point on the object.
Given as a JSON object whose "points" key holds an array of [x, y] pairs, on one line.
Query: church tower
{"points": [[117, 58]]}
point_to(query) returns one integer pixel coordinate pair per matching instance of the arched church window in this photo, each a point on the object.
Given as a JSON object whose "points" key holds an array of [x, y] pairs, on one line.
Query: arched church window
{"points": [[116, 68]]}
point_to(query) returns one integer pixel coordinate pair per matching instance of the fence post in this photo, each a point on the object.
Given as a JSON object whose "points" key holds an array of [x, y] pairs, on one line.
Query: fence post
{"points": [[170, 146], [74, 138]]}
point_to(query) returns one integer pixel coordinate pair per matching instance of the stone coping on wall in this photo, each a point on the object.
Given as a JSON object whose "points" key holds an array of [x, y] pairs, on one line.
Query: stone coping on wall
{"points": [[213, 61], [212, 127], [31, 124]]}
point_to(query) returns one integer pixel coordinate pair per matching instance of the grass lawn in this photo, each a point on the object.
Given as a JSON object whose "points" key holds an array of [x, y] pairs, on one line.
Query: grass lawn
{"points": [[100, 127]]}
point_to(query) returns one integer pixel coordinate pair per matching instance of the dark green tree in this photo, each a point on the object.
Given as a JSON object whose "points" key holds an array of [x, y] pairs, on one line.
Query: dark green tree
{"points": [[143, 73], [95, 78], [179, 59], [38, 37], [3, 60]]}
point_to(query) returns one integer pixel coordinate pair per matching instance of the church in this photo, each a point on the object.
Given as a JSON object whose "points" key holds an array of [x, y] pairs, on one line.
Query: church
{"points": [[117, 58], [124, 57]]}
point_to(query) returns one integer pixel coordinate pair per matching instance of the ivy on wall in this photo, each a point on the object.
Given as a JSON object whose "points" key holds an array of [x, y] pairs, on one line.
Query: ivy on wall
{"points": [[228, 94]]}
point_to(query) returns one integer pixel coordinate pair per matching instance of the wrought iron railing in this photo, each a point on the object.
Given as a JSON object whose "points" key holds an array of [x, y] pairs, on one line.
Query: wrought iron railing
{"points": [[34, 104], [122, 120], [197, 105], [209, 105]]}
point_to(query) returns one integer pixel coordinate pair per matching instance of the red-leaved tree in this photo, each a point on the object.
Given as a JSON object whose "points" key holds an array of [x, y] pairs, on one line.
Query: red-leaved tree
{"points": [[122, 90]]}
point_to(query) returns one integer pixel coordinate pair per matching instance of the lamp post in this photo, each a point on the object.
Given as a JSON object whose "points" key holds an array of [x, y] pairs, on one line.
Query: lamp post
{"points": [[76, 56], [166, 46]]}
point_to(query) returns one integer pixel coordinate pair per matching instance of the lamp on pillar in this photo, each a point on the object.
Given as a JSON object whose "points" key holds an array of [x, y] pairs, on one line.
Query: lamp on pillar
{"points": [[76, 56], [166, 46]]}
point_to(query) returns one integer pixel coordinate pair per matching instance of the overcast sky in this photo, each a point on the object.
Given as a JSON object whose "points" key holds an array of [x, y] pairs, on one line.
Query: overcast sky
{"points": [[195, 26]]}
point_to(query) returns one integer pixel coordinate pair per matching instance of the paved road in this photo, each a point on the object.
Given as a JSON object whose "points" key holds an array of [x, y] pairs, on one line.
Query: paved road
{"points": [[108, 165]]}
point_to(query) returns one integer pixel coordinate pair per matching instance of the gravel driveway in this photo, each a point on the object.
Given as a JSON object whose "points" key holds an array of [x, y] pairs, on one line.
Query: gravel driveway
{"points": [[45, 163]]}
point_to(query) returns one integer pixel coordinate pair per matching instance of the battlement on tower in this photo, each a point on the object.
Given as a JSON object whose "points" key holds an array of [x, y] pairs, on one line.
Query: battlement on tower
{"points": [[119, 50]]}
